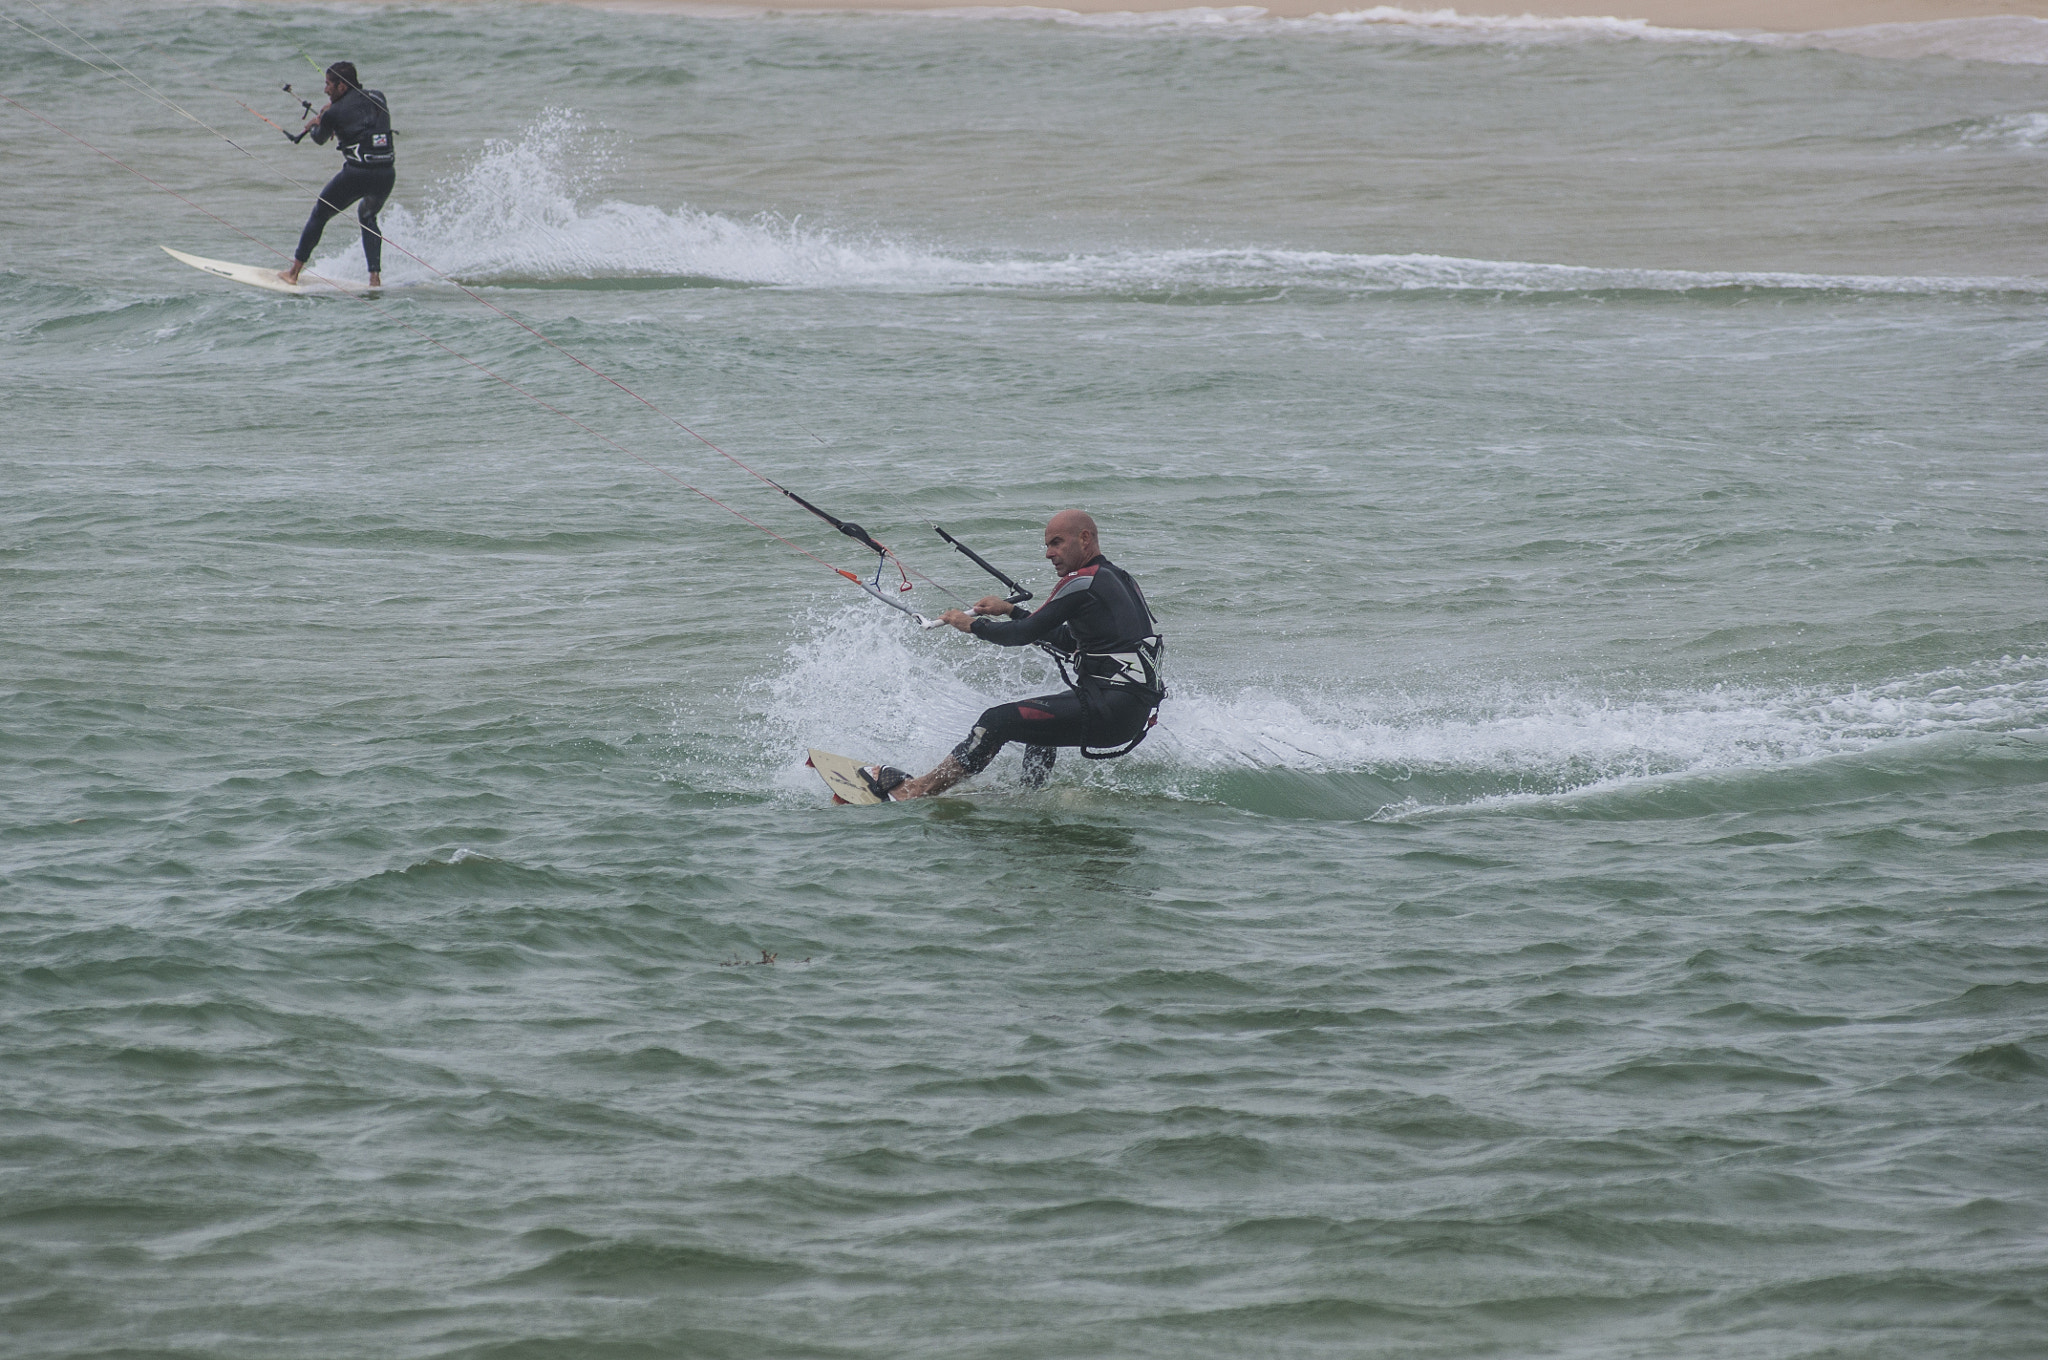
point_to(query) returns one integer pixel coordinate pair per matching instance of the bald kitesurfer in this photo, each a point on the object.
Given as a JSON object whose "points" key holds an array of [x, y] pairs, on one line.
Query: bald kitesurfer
{"points": [[359, 122], [1097, 623]]}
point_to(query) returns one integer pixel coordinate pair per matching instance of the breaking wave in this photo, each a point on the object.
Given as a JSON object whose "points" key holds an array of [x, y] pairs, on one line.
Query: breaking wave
{"points": [[2009, 39], [524, 213], [867, 686]]}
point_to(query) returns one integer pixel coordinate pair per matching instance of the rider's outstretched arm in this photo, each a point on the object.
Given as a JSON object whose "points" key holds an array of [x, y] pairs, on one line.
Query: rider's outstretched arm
{"points": [[1024, 627]]}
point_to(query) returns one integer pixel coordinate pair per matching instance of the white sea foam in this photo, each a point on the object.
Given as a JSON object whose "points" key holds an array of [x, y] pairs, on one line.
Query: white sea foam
{"points": [[2009, 38], [1446, 26], [2012, 132], [865, 684], [523, 210], [2012, 39], [2005, 38], [1574, 733]]}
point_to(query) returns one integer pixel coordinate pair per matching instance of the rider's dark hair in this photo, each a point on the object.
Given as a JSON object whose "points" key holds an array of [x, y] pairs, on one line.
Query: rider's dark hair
{"points": [[345, 72]]}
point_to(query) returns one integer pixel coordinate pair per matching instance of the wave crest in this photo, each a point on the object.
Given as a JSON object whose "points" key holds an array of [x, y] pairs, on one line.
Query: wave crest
{"points": [[868, 687], [524, 212], [2005, 38]]}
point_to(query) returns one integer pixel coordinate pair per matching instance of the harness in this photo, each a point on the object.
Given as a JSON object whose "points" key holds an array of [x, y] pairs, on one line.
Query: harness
{"points": [[1137, 670], [371, 145], [374, 149]]}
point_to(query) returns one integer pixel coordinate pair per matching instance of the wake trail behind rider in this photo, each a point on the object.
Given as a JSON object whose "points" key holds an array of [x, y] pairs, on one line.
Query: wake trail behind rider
{"points": [[1096, 622], [359, 121]]}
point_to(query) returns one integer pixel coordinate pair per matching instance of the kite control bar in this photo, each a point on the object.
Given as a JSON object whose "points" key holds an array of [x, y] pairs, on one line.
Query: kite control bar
{"points": [[304, 103]]}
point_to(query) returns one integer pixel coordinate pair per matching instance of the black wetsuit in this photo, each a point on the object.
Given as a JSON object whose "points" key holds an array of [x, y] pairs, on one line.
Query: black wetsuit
{"points": [[361, 123], [1098, 620]]}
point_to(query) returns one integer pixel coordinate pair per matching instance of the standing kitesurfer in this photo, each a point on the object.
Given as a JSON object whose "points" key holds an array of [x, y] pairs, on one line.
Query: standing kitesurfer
{"points": [[360, 122], [1096, 622]]}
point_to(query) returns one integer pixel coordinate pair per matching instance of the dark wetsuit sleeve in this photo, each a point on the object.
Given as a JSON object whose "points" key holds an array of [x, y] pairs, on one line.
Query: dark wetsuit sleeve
{"points": [[1033, 627], [349, 118]]}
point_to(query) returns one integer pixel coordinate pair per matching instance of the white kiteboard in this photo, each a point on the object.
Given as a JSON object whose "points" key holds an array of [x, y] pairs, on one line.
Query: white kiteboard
{"points": [[842, 775], [255, 275]]}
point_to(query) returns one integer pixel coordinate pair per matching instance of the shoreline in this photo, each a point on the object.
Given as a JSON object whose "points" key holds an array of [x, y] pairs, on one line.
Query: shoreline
{"points": [[1765, 16]]}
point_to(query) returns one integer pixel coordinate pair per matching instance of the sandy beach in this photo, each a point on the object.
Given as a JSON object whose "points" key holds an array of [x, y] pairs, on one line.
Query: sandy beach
{"points": [[1776, 16]]}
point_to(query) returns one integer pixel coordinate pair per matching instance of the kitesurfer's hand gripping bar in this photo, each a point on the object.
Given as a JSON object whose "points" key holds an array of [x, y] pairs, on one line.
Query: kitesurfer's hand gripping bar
{"points": [[1018, 594]]}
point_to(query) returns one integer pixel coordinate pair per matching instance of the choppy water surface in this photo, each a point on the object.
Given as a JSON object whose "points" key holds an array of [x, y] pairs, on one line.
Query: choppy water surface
{"points": [[1585, 895]]}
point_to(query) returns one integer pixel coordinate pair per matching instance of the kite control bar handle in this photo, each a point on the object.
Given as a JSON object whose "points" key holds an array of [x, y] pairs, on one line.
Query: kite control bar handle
{"points": [[304, 103], [1018, 594]]}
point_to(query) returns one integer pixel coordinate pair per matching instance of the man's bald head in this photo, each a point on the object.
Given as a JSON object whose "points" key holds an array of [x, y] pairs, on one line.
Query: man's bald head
{"points": [[1073, 522], [1070, 541]]}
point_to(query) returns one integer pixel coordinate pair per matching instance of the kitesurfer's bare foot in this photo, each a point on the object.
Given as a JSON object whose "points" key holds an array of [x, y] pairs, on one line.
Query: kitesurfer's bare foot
{"points": [[948, 773], [292, 275], [376, 280]]}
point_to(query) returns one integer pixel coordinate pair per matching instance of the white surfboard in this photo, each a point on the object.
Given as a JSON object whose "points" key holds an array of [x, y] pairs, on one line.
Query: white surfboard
{"points": [[255, 275], [842, 775]]}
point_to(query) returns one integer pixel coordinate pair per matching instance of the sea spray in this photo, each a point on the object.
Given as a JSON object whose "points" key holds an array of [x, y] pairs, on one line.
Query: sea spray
{"points": [[866, 685], [529, 210]]}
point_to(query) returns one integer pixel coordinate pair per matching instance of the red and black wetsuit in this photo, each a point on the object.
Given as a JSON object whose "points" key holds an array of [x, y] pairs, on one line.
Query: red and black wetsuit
{"points": [[1097, 622]]}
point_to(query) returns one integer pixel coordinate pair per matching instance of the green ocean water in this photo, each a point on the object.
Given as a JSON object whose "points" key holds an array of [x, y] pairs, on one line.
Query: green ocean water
{"points": [[1585, 896]]}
